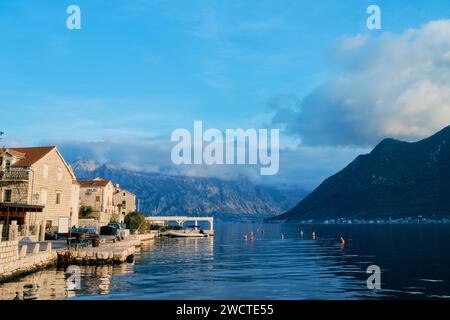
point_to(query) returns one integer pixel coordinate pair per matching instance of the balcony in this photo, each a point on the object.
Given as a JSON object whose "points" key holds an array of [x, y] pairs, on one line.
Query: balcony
{"points": [[14, 175]]}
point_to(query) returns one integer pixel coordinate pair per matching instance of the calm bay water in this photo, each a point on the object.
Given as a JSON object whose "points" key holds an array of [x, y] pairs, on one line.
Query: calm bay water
{"points": [[415, 263]]}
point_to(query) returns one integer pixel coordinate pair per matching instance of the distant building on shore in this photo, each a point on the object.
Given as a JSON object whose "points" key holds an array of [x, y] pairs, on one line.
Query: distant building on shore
{"points": [[98, 195], [125, 202], [109, 202], [38, 190]]}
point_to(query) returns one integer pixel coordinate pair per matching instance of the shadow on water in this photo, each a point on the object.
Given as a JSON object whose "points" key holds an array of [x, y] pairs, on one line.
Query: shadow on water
{"points": [[414, 261]]}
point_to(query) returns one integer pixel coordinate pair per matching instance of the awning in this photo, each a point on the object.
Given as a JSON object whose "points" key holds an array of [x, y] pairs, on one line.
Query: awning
{"points": [[19, 207]]}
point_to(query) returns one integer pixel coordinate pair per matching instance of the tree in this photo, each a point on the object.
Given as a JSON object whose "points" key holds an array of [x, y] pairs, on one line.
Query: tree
{"points": [[86, 211], [135, 221]]}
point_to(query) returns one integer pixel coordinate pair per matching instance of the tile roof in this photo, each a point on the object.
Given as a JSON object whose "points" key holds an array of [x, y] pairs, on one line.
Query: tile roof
{"points": [[12, 151], [93, 183], [31, 155]]}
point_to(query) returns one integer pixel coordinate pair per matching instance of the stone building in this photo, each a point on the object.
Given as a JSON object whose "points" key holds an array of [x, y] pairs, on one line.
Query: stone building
{"points": [[98, 194], [124, 201], [38, 190]]}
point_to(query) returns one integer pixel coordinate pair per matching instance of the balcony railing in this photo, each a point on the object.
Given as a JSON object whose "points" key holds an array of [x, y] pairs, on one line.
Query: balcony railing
{"points": [[15, 174]]}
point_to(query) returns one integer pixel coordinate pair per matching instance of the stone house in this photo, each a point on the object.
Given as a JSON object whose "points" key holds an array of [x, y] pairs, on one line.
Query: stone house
{"points": [[124, 201], [98, 194], [38, 190]]}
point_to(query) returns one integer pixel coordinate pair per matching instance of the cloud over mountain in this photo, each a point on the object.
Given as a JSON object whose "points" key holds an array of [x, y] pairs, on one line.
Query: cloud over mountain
{"points": [[395, 85]]}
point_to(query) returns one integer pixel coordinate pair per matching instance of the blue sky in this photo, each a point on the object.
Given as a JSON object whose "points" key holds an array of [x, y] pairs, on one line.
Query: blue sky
{"points": [[139, 69]]}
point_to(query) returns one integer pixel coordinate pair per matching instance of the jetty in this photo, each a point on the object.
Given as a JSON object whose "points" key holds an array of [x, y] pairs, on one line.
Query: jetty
{"points": [[18, 259], [181, 220], [111, 253]]}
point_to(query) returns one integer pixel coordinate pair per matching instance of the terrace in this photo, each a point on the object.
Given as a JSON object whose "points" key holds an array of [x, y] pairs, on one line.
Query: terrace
{"points": [[15, 175]]}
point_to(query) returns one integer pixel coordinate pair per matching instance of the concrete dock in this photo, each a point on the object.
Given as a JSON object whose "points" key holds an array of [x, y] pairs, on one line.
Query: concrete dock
{"points": [[114, 253]]}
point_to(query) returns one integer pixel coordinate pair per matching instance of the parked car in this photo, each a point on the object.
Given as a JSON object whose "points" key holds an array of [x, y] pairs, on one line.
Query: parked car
{"points": [[51, 235], [79, 235], [109, 231], [120, 230]]}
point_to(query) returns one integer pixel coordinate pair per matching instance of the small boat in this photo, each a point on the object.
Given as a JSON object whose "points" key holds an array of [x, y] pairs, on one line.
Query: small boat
{"points": [[190, 232]]}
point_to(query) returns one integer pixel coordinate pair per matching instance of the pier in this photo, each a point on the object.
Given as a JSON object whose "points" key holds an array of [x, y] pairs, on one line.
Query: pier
{"points": [[181, 220], [114, 253]]}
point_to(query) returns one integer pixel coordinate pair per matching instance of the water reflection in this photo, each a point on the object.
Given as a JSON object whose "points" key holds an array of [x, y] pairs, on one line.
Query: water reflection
{"points": [[269, 267], [55, 284]]}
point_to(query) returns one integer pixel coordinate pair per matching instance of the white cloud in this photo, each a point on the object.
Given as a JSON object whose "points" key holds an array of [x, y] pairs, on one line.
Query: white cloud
{"points": [[391, 86], [300, 166]]}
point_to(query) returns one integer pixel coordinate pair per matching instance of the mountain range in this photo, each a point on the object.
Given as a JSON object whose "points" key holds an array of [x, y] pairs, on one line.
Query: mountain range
{"points": [[396, 180], [161, 194]]}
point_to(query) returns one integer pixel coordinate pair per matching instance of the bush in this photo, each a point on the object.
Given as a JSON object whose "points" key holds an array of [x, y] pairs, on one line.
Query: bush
{"points": [[86, 211], [135, 221]]}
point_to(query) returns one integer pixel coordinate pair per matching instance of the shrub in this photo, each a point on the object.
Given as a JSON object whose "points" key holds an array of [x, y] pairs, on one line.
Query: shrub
{"points": [[86, 211], [135, 221]]}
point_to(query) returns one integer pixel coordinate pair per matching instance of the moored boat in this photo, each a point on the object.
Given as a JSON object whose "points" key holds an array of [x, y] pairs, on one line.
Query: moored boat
{"points": [[191, 232]]}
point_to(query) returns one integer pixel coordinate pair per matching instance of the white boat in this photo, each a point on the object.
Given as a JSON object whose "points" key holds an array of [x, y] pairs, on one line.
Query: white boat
{"points": [[187, 233]]}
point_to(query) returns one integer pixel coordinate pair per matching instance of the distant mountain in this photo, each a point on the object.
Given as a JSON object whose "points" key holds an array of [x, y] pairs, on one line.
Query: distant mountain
{"points": [[397, 179], [176, 195]]}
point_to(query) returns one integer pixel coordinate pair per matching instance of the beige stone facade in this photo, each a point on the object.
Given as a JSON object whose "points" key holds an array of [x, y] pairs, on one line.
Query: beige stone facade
{"points": [[39, 180], [98, 194], [124, 201]]}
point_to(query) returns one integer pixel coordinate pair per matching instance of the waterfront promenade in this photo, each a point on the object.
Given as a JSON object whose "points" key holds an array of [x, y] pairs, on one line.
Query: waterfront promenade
{"points": [[17, 260], [111, 253]]}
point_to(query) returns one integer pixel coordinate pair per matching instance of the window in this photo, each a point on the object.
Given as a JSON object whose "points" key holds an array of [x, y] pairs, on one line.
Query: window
{"points": [[7, 165], [7, 196], [45, 171], [59, 174], [97, 198], [48, 224], [58, 198], [44, 196]]}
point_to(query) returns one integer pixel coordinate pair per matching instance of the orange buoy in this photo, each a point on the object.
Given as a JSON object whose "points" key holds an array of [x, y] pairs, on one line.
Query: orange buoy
{"points": [[252, 236]]}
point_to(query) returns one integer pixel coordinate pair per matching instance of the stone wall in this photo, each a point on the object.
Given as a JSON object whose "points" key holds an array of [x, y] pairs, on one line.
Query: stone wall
{"points": [[9, 251], [13, 263]]}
